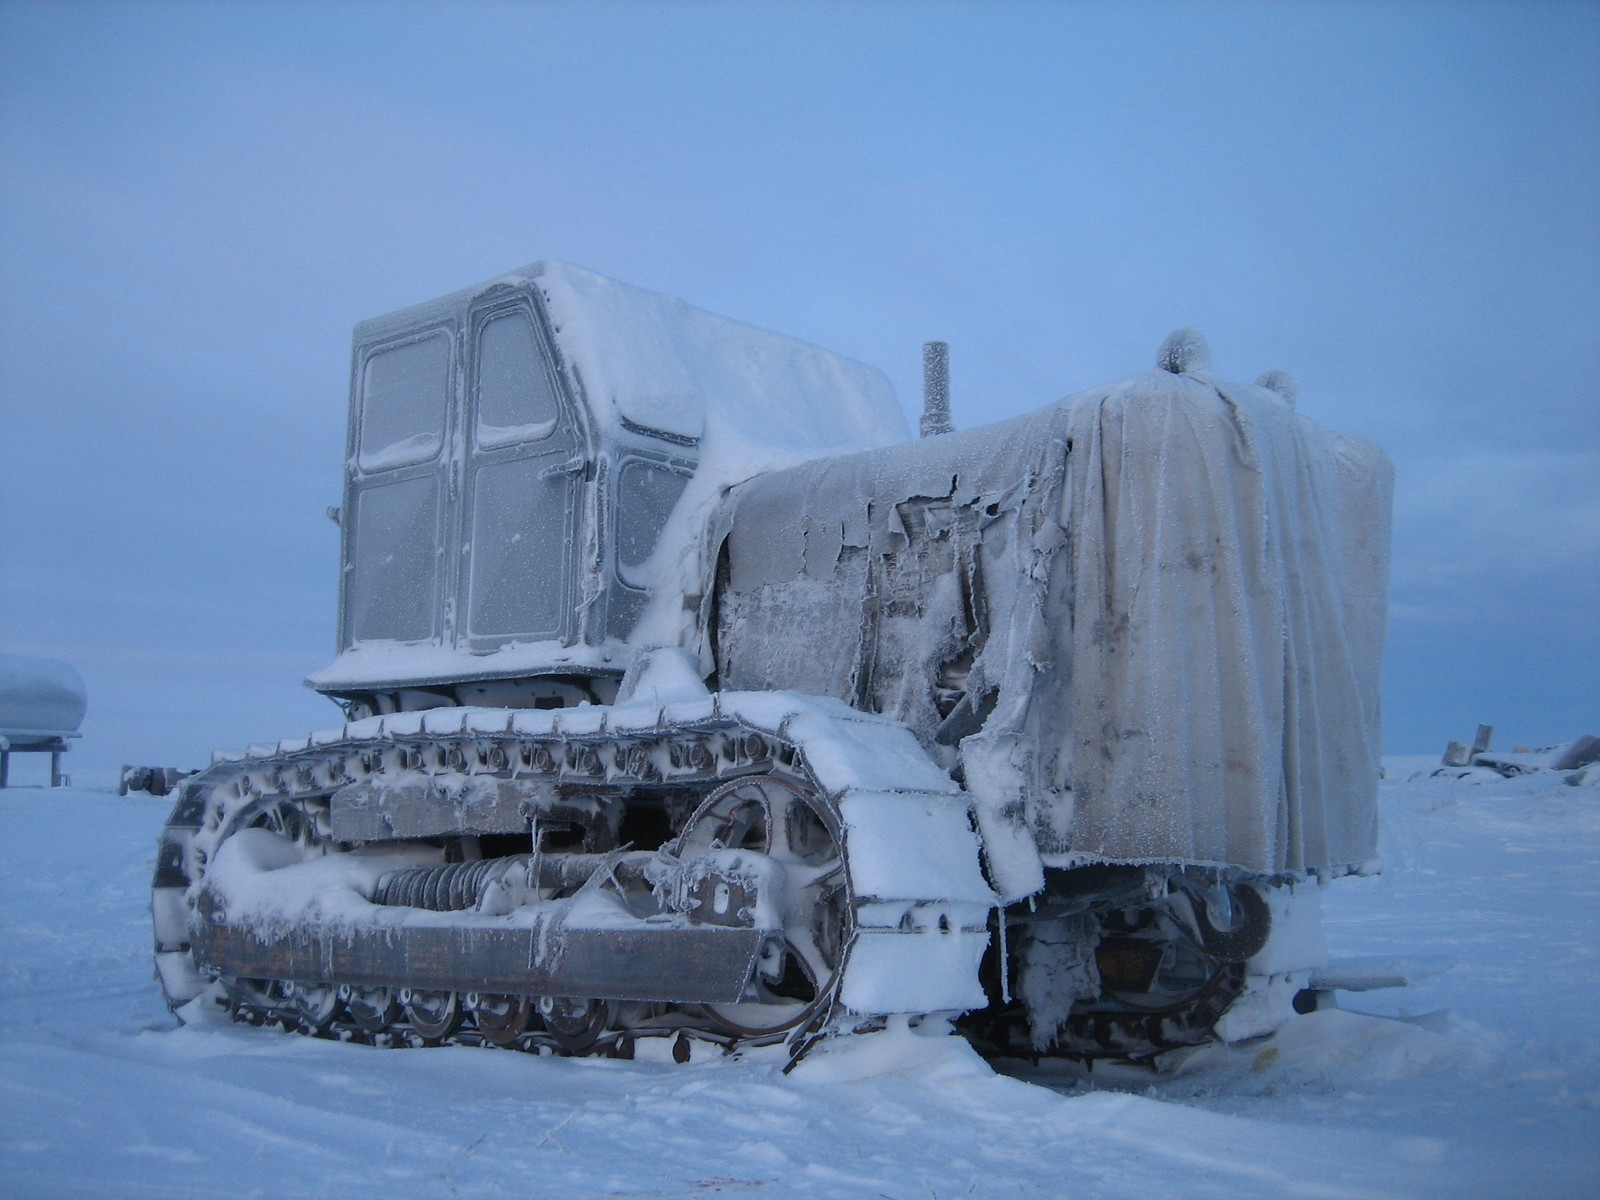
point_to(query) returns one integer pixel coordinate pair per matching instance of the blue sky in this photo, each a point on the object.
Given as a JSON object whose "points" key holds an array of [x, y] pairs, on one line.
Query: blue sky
{"points": [[1398, 203]]}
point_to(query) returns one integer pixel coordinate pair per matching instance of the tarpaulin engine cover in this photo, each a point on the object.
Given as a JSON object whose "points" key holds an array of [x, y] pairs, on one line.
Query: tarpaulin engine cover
{"points": [[1143, 624]]}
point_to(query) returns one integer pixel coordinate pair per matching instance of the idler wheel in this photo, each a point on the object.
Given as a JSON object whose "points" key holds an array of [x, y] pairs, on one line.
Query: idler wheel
{"points": [[774, 817]]}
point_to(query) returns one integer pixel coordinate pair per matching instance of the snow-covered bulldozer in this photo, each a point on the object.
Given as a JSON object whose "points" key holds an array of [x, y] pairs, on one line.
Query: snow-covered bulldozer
{"points": [[686, 697]]}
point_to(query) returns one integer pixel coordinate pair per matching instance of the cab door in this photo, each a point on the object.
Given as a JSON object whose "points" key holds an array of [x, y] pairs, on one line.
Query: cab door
{"points": [[520, 474], [396, 482]]}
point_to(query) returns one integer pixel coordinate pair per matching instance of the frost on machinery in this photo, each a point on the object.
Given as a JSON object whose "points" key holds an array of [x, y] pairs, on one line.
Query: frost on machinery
{"points": [[687, 697]]}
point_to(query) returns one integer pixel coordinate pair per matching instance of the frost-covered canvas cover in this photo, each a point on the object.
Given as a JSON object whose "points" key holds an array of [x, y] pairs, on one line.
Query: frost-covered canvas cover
{"points": [[1230, 570], [1143, 624]]}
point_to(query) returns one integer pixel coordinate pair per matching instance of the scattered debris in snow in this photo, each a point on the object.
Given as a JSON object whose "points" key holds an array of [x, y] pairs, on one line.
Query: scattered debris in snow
{"points": [[1574, 757]]}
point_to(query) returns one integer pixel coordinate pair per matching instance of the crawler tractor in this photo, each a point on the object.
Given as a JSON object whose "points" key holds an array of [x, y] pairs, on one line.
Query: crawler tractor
{"points": [[686, 697]]}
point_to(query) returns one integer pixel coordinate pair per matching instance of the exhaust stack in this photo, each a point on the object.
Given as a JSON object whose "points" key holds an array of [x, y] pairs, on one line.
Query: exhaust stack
{"points": [[935, 389]]}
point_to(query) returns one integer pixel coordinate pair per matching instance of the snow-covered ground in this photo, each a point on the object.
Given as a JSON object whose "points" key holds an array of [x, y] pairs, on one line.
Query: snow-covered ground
{"points": [[1482, 1081]]}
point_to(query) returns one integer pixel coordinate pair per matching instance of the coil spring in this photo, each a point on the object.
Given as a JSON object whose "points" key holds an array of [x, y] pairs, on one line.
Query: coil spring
{"points": [[449, 888]]}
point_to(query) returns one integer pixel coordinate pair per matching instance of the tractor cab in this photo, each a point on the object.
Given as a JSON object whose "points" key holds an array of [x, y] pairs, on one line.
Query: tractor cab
{"points": [[514, 452]]}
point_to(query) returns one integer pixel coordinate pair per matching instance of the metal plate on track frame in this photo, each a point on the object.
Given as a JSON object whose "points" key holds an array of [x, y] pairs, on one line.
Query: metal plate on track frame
{"points": [[704, 964]]}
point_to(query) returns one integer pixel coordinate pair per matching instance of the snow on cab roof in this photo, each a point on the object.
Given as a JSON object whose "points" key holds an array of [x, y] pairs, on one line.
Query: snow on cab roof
{"points": [[658, 364]]}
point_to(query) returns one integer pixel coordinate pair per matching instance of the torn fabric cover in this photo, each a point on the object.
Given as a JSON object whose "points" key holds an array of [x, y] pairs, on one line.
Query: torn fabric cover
{"points": [[1230, 566], [1142, 625]]}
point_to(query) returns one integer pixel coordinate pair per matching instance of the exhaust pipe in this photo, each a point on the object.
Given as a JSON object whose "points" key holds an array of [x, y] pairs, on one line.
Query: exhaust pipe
{"points": [[935, 389]]}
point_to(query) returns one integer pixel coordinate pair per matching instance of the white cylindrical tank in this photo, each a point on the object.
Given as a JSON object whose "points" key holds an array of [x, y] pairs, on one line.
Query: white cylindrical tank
{"points": [[40, 698]]}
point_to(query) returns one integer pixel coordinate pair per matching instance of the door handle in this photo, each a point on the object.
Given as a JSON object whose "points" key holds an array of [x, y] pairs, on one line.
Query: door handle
{"points": [[573, 466]]}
